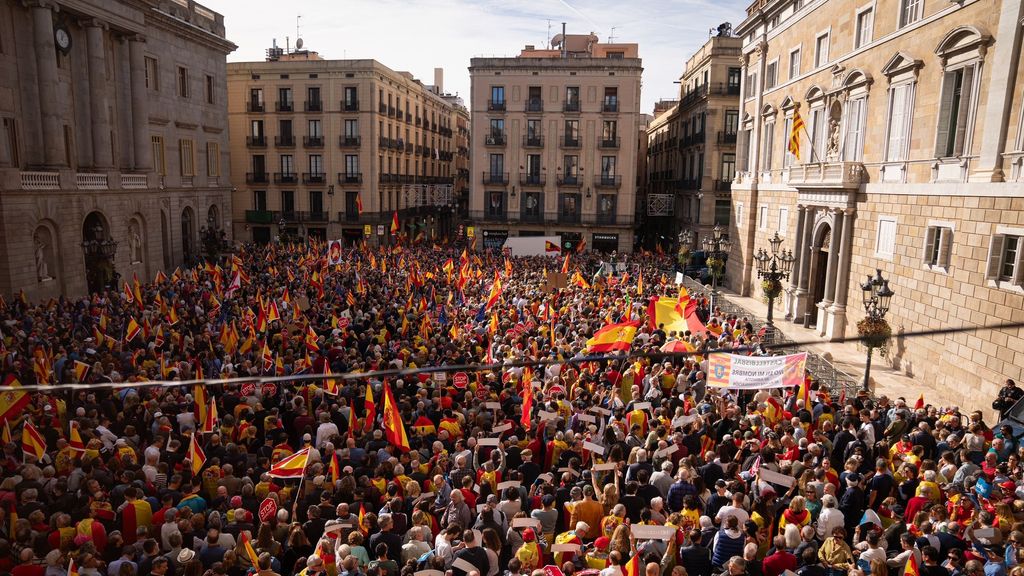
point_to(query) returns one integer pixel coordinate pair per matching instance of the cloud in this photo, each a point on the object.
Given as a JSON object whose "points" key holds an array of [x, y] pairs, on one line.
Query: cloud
{"points": [[419, 35]]}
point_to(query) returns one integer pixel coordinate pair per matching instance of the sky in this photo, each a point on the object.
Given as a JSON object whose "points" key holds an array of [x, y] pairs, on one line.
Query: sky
{"points": [[419, 35]]}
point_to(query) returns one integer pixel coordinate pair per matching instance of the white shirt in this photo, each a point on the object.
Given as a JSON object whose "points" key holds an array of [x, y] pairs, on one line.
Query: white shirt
{"points": [[730, 510], [829, 519], [324, 432]]}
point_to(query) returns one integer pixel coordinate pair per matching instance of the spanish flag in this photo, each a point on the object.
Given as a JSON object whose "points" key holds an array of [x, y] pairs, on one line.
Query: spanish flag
{"points": [[527, 404], [75, 438], [665, 311], [565, 265], [920, 402], [362, 519], [330, 384], [5, 436], [492, 328], [32, 442], [359, 204], [424, 426], [132, 330], [550, 246], [311, 337], [613, 337], [370, 409], [247, 543], [394, 223], [632, 568], [196, 455], [640, 284], [210, 422], [202, 403], [495, 293], [72, 569], [12, 402], [293, 466], [911, 568], [335, 468], [804, 392], [81, 370], [394, 428]]}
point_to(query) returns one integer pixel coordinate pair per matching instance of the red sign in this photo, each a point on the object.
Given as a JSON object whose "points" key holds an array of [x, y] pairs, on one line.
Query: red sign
{"points": [[343, 323], [268, 509], [268, 389], [482, 391], [249, 389], [460, 380]]}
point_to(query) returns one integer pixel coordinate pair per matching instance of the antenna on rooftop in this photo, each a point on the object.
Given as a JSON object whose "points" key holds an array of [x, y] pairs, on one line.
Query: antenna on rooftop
{"points": [[611, 37], [549, 34]]}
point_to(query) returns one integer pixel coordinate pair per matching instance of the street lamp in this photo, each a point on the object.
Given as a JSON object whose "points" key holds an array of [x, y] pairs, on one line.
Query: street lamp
{"points": [[772, 269], [685, 239], [280, 230], [716, 249], [873, 329]]}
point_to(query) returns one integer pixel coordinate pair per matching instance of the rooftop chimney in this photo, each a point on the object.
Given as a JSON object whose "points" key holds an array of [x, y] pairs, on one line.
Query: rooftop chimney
{"points": [[439, 80]]}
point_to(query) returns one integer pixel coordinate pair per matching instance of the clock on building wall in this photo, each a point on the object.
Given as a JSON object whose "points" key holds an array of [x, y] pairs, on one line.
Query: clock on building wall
{"points": [[62, 38]]}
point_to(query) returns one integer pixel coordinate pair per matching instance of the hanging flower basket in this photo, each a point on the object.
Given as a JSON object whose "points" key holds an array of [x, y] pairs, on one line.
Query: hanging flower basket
{"points": [[772, 288], [683, 256], [875, 333]]}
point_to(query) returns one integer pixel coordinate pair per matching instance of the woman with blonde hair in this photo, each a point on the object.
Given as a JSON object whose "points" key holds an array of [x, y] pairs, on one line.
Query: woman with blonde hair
{"points": [[796, 514], [621, 541]]}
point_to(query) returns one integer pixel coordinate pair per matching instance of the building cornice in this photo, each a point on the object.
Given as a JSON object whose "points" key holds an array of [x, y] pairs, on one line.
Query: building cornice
{"points": [[189, 31]]}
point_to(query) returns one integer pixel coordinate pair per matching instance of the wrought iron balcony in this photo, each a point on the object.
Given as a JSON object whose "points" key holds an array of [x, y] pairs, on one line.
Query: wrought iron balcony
{"points": [[495, 139], [314, 106], [313, 177], [350, 177], [350, 105], [284, 106], [313, 141], [526, 179], [723, 185], [349, 141], [572, 181], [533, 141], [284, 141], [610, 106], [571, 106], [570, 142], [256, 141], [255, 107], [726, 137], [534, 105], [496, 105], [495, 178], [609, 143], [259, 216], [286, 177], [257, 177], [607, 181]]}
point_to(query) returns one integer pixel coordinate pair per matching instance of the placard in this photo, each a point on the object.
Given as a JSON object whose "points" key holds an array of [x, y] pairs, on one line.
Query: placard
{"points": [[605, 466], [739, 372], [595, 448], [460, 380], [267, 510], [984, 533], [546, 477], [488, 442], [652, 532], [569, 470], [773, 477], [502, 428], [565, 547], [509, 484], [425, 495], [642, 406], [464, 565], [480, 507], [440, 377], [545, 415], [682, 421], [586, 418], [667, 451], [600, 410], [525, 523], [429, 573], [492, 405]]}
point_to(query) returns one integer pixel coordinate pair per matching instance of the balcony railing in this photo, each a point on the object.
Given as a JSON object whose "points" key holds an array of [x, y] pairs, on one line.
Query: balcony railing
{"points": [[609, 143], [495, 216], [391, 110], [607, 181], [571, 106], [284, 106], [570, 142], [531, 179], [723, 185], [533, 141], [350, 177], [382, 108], [572, 181], [314, 106], [726, 137], [257, 177], [313, 177], [569, 218], [259, 216], [349, 141], [606, 219], [408, 117], [689, 184], [495, 178], [351, 216], [286, 177], [320, 216], [495, 105], [350, 106], [535, 216], [255, 107], [495, 139], [534, 105], [284, 141], [847, 175], [610, 106], [313, 141], [256, 141]]}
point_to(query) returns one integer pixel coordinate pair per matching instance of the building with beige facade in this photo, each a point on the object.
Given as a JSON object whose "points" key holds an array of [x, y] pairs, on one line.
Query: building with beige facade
{"points": [[910, 163], [313, 138], [553, 149], [113, 142]]}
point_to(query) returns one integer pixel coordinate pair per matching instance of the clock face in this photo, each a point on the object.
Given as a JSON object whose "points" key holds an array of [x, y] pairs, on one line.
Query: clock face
{"points": [[62, 38]]}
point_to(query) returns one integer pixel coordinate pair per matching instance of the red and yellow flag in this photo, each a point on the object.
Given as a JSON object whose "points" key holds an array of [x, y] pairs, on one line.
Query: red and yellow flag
{"points": [[613, 337], [362, 519], [249, 551], [394, 428], [196, 455], [202, 403], [75, 438], [12, 402], [32, 442], [210, 422], [394, 223], [495, 294], [293, 466], [335, 468], [370, 409], [132, 330], [632, 568], [81, 370], [565, 265]]}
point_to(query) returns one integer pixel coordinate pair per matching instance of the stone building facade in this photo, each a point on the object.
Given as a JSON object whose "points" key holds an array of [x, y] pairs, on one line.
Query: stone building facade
{"points": [[312, 138], [910, 163], [553, 150], [114, 128]]}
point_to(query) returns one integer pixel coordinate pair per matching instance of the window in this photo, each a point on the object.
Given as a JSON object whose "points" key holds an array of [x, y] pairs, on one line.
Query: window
{"points": [[762, 217], [288, 203], [351, 98], [152, 78], [287, 164], [209, 89], [284, 98], [497, 133], [723, 212], [316, 164], [572, 96], [255, 99], [821, 50], [572, 132], [788, 159], [351, 128], [213, 158], [733, 82], [352, 205], [771, 74], [732, 121], [885, 240], [1005, 258], [954, 110], [865, 20], [607, 167], [496, 203], [183, 82], [609, 130], [910, 11], [768, 139], [794, 63], [937, 243], [728, 167], [783, 221], [853, 148], [900, 115], [259, 200], [497, 94], [571, 166], [316, 201], [533, 167], [186, 150], [497, 164], [611, 99], [159, 159], [313, 97], [351, 164], [818, 132], [751, 87], [315, 129]]}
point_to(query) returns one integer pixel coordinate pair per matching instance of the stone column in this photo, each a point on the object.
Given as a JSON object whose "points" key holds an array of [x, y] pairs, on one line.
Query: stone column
{"points": [[833, 257], [794, 277], [742, 151], [46, 73], [5, 154], [140, 105], [754, 150], [99, 104], [845, 259], [803, 265]]}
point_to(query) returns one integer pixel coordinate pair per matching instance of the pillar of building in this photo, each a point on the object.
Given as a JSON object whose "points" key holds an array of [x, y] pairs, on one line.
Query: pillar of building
{"points": [[803, 265], [831, 269], [837, 325], [5, 153], [143, 155], [794, 278], [99, 105], [46, 75]]}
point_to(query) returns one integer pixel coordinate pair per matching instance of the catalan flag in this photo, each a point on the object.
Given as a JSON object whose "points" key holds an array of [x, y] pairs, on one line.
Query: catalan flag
{"points": [[32, 442], [613, 337], [196, 455], [293, 466], [394, 428], [794, 134]]}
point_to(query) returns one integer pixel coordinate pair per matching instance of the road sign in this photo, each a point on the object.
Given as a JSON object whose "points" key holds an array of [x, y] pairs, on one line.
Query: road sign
{"points": [[249, 389], [460, 380], [268, 389], [268, 509]]}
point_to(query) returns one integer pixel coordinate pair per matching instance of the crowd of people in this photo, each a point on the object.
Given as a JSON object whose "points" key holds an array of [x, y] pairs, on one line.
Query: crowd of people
{"points": [[547, 463]]}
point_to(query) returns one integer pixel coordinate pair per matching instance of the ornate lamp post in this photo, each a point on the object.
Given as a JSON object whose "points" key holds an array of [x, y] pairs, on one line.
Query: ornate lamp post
{"points": [[282, 235], [716, 248], [99, 256], [873, 329], [772, 269], [214, 239], [685, 242]]}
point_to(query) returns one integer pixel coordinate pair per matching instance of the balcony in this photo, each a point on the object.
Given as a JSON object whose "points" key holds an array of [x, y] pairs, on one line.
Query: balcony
{"points": [[607, 181], [391, 110], [313, 106], [256, 141], [313, 141], [571, 181], [533, 141], [495, 216], [284, 106], [409, 148], [569, 218], [495, 178], [532, 179], [382, 108], [495, 139], [723, 185], [571, 106], [255, 107], [315, 217], [408, 117], [285, 177], [610, 106], [606, 219], [689, 184], [495, 105], [350, 105], [726, 137], [848, 175], [349, 141], [284, 141], [351, 216], [257, 177], [535, 216], [289, 216], [608, 143], [259, 216], [350, 177], [313, 177], [534, 105], [570, 142]]}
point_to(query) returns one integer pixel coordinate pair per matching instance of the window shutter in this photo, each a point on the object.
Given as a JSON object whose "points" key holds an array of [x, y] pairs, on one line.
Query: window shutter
{"points": [[942, 133], [964, 110], [1018, 266], [995, 257], [929, 245], [945, 247]]}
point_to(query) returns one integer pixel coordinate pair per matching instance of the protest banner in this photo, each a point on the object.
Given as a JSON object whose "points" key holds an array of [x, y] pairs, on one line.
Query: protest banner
{"points": [[756, 372]]}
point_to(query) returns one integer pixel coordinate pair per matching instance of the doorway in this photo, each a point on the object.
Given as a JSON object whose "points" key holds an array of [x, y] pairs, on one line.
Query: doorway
{"points": [[819, 277]]}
